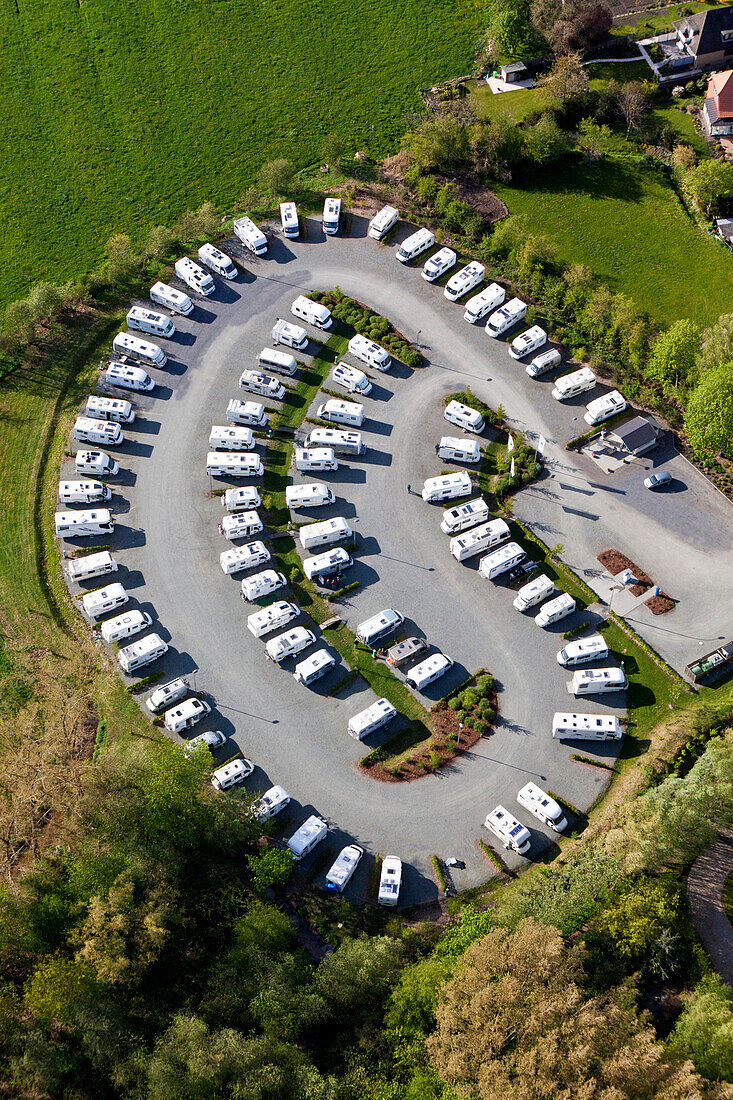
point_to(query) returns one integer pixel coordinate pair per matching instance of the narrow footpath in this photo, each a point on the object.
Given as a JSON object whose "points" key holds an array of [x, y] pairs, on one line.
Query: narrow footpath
{"points": [[705, 884]]}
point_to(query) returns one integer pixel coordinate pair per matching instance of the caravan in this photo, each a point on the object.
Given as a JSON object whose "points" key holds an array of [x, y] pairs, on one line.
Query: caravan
{"points": [[89, 430], [250, 235], [234, 464], [293, 336], [104, 600], [586, 727], [325, 533], [244, 557], [83, 492], [464, 280], [501, 561], [184, 715], [331, 216], [312, 312], [453, 449], [484, 302], [414, 245], [289, 219], [351, 379], [420, 676], [344, 442], [225, 437], [242, 499], [537, 590], [370, 353], [544, 808], [147, 320], [270, 803], [543, 363], [555, 610], [341, 412], [166, 695], [382, 222], [446, 487], [111, 409], [128, 378], [91, 565], [438, 264], [304, 840], [604, 407], [141, 653], [464, 515], [314, 667], [73, 525], [194, 276], [371, 719], [250, 413], [174, 300], [272, 618], [463, 416], [527, 342], [124, 626], [570, 385], [232, 774], [597, 681], [379, 626], [478, 539], [279, 361], [325, 565], [262, 584], [217, 261], [288, 644], [506, 317], [95, 462], [511, 833], [316, 458], [584, 651], [143, 351], [241, 525], [254, 381]]}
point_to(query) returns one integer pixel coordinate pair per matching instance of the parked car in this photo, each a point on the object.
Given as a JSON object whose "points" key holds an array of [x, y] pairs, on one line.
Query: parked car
{"points": [[213, 739], [658, 481], [405, 651], [522, 570]]}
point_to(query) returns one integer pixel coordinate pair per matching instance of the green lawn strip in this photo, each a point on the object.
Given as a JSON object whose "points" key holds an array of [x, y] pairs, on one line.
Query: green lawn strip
{"points": [[509, 106]]}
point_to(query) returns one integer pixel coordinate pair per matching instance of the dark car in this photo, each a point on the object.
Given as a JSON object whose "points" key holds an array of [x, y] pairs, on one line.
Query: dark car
{"points": [[522, 570], [657, 481], [405, 651]]}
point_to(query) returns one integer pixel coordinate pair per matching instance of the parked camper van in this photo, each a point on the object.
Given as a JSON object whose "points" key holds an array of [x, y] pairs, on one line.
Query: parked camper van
{"points": [[510, 832], [351, 379], [142, 351], [289, 219], [74, 525], [414, 245], [371, 719], [112, 409], [331, 216], [543, 363], [95, 462], [464, 516], [310, 833], [314, 666], [262, 584], [438, 264], [251, 236], [141, 653], [166, 695], [288, 644], [241, 525], [501, 560], [174, 300], [125, 626], [544, 808], [405, 652], [128, 378], [527, 342], [234, 464], [89, 430], [184, 715], [342, 868], [270, 803], [83, 492], [217, 261], [586, 727], [453, 449], [555, 610], [99, 603], [194, 276], [390, 881], [604, 407], [341, 412], [271, 618], [242, 499], [348, 443], [446, 487], [486, 301], [597, 681], [463, 416], [279, 361], [382, 222], [537, 590], [570, 385], [464, 280], [378, 626], [244, 557], [324, 533], [505, 317], [148, 320], [478, 539], [91, 565], [254, 381], [315, 458], [370, 353], [232, 774], [213, 739], [584, 651], [250, 413], [228, 437], [312, 312], [429, 670], [325, 565], [293, 336]]}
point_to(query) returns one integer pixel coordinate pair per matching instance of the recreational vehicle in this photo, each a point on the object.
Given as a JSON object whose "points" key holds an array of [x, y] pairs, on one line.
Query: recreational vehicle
{"points": [[305, 839], [128, 378], [604, 407], [583, 652], [95, 462], [453, 449], [254, 381], [148, 320], [478, 539], [555, 610], [570, 385], [293, 336], [288, 644], [446, 487], [174, 300], [544, 808], [331, 216], [249, 413], [343, 442], [74, 525], [341, 412], [91, 565], [312, 312], [464, 280], [527, 342], [99, 603], [351, 379], [511, 833], [279, 361], [289, 219], [217, 261], [325, 565], [463, 516], [142, 351], [184, 715], [111, 409], [378, 626], [315, 458], [501, 560], [438, 264], [463, 416], [543, 363], [324, 533], [586, 727], [343, 868], [314, 666], [244, 557], [228, 437], [505, 317], [89, 430], [234, 464], [125, 626], [141, 653], [166, 695], [371, 719], [484, 302], [83, 492], [194, 276], [597, 681], [262, 584], [270, 803], [370, 353], [241, 499], [232, 774], [390, 881], [382, 222], [534, 592], [250, 235], [272, 618], [241, 525], [435, 666], [415, 245]]}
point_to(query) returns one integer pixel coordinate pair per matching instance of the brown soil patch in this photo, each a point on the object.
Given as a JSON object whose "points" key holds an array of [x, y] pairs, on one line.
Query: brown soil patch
{"points": [[659, 605], [615, 562], [472, 191]]}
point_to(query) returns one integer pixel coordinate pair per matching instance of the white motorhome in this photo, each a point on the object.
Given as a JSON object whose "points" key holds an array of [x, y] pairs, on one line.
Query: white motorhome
{"points": [[166, 695], [128, 378], [464, 280], [343, 868], [463, 416], [555, 610], [527, 342], [484, 302], [279, 361], [511, 833], [534, 592], [250, 235], [272, 618], [378, 626], [446, 487], [232, 774], [194, 276], [251, 413], [315, 458], [73, 525], [351, 379], [505, 317], [89, 430], [184, 715], [361, 347], [217, 261], [104, 600], [289, 219], [95, 462], [428, 671], [478, 539], [586, 727], [254, 381], [501, 560], [111, 409], [464, 516], [234, 464], [310, 833], [262, 584], [174, 300], [125, 625], [83, 492], [324, 533], [312, 312], [597, 681], [331, 216], [382, 222], [583, 652], [343, 442], [314, 666], [544, 808], [570, 385], [150, 321], [142, 351], [438, 264], [141, 653], [91, 565], [543, 363], [244, 557], [341, 412], [604, 407], [414, 245], [271, 803], [293, 336], [288, 644], [371, 719], [324, 565], [390, 881], [453, 449], [314, 495], [228, 437], [242, 499], [241, 525]]}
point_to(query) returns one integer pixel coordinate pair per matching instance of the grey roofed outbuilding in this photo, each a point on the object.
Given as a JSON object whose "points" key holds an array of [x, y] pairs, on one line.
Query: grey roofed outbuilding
{"points": [[513, 68], [636, 435]]}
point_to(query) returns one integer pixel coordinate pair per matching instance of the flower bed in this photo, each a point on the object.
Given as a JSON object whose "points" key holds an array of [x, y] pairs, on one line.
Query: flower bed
{"points": [[368, 323], [615, 562]]}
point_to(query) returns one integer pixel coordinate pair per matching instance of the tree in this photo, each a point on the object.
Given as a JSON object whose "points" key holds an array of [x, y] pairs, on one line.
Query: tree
{"points": [[565, 81], [45, 302], [199, 225], [634, 104], [684, 156], [544, 142], [510, 28], [272, 867], [56, 988], [708, 182], [717, 344], [636, 915], [333, 148], [580, 26], [18, 323], [277, 176], [709, 412], [704, 1030], [673, 356], [122, 259], [593, 138], [161, 241], [439, 144]]}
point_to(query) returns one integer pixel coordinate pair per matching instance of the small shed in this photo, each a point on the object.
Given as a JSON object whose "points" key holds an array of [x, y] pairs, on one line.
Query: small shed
{"points": [[635, 436], [724, 229], [514, 72]]}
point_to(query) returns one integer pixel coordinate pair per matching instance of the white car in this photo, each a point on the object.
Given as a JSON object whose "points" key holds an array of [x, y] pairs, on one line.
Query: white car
{"points": [[167, 694], [390, 880], [438, 264], [269, 804], [213, 739], [343, 868]]}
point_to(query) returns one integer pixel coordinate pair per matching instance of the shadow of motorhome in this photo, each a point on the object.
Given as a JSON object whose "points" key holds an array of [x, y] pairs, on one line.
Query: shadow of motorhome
{"points": [[142, 426], [346, 475], [379, 393], [134, 447], [124, 479], [126, 538], [119, 506], [358, 226], [203, 316], [455, 675], [377, 427], [374, 457], [129, 578], [312, 231], [365, 544], [279, 251], [417, 890], [225, 294], [401, 232], [149, 609], [544, 848], [399, 370]]}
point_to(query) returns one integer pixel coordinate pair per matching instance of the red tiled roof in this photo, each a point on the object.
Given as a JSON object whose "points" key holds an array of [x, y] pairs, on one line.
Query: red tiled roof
{"points": [[720, 88]]}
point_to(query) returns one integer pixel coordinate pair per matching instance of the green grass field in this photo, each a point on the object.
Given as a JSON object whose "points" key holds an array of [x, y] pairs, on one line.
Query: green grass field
{"points": [[119, 116]]}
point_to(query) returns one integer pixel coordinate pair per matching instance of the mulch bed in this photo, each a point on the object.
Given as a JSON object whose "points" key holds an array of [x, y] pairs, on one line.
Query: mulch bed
{"points": [[615, 562], [472, 191]]}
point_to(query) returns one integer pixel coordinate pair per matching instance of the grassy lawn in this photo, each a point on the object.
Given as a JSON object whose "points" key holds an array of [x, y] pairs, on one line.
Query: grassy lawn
{"points": [[650, 23], [117, 117], [514, 106], [683, 125]]}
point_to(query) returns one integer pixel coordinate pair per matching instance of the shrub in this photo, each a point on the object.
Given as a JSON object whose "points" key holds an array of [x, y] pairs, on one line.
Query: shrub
{"points": [[484, 685], [461, 715], [487, 712], [470, 698], [455, 703]]}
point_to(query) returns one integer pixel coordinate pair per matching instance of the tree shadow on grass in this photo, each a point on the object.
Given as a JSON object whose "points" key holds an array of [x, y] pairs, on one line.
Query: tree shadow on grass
{"points": [[609, 179]]}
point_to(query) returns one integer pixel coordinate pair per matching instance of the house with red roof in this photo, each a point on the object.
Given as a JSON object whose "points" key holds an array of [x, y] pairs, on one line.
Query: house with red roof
{"points": [[718, 109]]}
